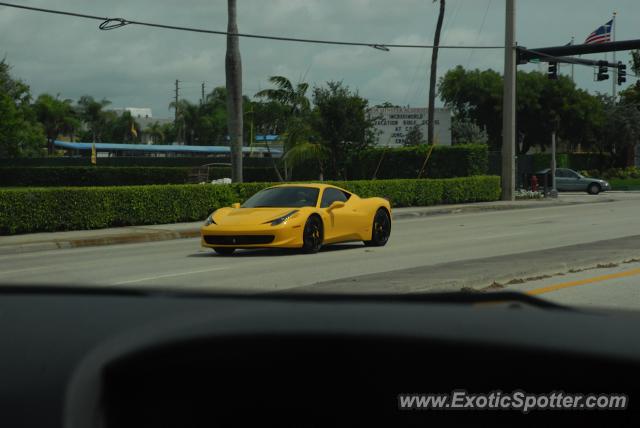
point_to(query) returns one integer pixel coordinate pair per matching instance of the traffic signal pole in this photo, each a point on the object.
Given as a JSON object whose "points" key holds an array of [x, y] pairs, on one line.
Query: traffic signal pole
{"points": [[509, 105]]}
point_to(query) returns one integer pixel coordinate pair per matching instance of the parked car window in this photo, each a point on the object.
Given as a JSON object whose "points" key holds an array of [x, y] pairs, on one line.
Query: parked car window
{"points": [[331, 195]]}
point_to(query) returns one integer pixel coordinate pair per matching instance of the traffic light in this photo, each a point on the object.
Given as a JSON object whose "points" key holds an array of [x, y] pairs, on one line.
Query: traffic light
{"points": [[622, 73], [603, 71], [553, 71]]}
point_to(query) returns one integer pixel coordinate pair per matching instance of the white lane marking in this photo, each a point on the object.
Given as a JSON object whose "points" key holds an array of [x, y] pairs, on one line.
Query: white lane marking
{"points": [[7, 272], [149, 278]]}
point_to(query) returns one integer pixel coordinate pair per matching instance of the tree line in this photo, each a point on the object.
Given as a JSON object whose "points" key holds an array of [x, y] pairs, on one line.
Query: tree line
{"points": [[328, 124]]}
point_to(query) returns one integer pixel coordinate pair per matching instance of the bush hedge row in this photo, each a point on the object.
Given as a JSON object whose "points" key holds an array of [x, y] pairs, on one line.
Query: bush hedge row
{"points": [[444, 162], [406, 162], [27, 210], [116, 176]]}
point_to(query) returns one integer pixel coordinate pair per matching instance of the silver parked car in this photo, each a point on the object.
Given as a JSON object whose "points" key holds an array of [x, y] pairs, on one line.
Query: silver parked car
{"points": [[568, 180]]}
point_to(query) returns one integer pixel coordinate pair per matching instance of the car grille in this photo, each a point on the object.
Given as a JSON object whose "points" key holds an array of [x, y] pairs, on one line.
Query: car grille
{"points": [[238, 239]]}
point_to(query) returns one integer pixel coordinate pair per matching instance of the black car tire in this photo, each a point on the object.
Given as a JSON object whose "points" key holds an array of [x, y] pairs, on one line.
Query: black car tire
{"points": [[593, 189], [380, 229], [224, 251], [312, 235]]}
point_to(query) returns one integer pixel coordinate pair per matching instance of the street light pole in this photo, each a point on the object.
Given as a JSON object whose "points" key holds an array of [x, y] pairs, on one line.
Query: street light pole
{"points": [[509, 105]]}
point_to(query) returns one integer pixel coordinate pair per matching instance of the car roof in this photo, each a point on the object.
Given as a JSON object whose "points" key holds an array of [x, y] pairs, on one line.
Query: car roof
{"points": [[312, 185]]}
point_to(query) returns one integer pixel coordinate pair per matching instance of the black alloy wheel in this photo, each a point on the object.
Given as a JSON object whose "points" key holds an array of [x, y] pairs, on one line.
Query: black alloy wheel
{"points": [[381, 229], [312, 235]]}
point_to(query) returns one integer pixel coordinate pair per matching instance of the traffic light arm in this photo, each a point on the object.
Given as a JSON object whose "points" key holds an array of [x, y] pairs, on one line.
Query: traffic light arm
{"points": [[560, 51], [525, 55]]}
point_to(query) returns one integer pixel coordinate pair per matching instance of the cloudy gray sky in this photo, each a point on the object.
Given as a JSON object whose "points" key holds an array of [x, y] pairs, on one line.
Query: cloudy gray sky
{"points": [[136, 66]]}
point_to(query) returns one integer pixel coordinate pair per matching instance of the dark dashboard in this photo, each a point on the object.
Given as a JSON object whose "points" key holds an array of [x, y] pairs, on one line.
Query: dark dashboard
{"points": [[116, 358]]}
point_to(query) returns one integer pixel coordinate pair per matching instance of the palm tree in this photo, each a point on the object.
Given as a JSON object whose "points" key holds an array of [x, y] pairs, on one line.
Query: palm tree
{"points": [[188, 119], [295, 100], [233, 74], [156, 132], [93, 114], [285, 93], [432, 77], [56, 116]]}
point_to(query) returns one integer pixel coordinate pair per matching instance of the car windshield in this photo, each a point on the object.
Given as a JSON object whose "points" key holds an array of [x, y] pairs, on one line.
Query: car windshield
{"points": [[385, 140], [284, 197]]}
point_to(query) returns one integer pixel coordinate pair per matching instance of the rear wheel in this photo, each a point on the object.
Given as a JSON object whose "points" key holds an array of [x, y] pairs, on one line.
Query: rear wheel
{"points": [[224, 251], [381, 229], [593, 189], [312, 235]]}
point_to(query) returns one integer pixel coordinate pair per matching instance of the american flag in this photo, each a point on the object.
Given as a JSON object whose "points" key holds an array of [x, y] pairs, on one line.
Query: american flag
{"points": [[601, 35]]}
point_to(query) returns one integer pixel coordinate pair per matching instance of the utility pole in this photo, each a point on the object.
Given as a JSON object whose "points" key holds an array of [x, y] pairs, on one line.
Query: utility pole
{"points": [[614, 81], [233, 76], [202, 96], [175, 109], [509, 105]]}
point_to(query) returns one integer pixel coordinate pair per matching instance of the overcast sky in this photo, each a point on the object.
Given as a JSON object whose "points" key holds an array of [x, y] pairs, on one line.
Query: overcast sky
{"points": [[137, 66]]}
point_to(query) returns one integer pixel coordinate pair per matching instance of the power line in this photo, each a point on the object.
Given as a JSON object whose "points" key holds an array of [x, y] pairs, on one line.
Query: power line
{"points": [[113, 23], [484, 20]]}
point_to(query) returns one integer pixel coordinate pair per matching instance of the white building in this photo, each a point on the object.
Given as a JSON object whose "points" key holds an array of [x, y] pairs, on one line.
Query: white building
{"points": [[393, 124]]}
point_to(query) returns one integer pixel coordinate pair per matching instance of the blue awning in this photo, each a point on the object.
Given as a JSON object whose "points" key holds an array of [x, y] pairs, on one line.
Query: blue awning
{"points": [[165, 148]]}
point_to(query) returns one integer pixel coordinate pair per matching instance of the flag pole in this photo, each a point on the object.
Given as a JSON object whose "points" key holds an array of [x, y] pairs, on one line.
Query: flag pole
{"points": [[614, 81]]}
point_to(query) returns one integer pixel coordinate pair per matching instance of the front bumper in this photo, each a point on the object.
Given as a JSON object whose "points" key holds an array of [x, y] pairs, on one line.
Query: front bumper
{"points": [[259, 236]]}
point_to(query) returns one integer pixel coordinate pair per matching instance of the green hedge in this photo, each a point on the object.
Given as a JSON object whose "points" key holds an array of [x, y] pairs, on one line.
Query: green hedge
{"points": [[405, 162], [543, 161], [30, 210], [116, 176]]}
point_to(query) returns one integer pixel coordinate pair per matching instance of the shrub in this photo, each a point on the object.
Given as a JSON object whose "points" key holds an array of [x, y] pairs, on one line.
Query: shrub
{"points": [[116, 176], [51, 209], [445, 161]]}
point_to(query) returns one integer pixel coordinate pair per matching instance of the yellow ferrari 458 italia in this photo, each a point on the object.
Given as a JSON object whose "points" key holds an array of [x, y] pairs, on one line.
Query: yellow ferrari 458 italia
{"points": [[304, 216]]}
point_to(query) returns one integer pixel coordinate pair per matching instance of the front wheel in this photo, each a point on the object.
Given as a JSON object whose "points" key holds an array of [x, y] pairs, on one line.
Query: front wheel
{"points": [[224, 251], [381, 229], [312, 235], [593, 189]]}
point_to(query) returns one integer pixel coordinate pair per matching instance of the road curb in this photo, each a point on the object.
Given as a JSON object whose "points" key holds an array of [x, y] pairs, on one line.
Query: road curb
{"points": [[478, 208], [98, 241], [166, 235]]}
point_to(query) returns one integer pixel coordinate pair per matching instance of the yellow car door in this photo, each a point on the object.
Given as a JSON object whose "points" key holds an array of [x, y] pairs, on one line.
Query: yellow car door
{"points": [[342, 219]]}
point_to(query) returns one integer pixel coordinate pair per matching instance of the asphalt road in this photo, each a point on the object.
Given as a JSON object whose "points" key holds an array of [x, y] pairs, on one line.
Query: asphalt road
{"points": [[437, 253]]}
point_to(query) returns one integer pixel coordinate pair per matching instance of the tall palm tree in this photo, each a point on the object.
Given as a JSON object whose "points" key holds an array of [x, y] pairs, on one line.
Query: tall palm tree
{"points": [[285, 93], [156, 132], [93, 114], [233, 73], [295, 100], [432, 77], [56, 116]]}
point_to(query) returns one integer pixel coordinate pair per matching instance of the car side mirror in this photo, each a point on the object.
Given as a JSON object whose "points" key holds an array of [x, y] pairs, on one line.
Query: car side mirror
{"points": [[236, 205], [335, 205]]}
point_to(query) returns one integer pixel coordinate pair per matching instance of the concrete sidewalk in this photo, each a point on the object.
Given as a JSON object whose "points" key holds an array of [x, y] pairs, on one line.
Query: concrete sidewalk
{"points": [[135, 234]]}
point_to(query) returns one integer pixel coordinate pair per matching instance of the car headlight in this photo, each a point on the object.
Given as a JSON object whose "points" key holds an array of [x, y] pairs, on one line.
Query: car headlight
{"points": [[282, 219], [209, 221]]}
